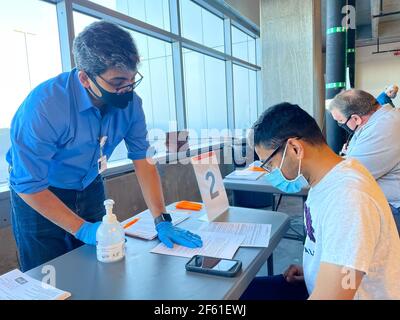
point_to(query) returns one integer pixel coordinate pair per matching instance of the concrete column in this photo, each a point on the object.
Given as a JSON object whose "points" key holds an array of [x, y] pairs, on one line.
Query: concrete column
{"points": [[292, 54]]}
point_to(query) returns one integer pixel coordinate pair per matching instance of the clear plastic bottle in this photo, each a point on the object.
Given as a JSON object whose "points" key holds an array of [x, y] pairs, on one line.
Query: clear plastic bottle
{"points": [[110, 237]]}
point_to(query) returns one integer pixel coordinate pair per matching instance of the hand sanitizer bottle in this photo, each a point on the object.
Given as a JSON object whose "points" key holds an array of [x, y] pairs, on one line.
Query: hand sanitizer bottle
{"points": [[110, 237]]}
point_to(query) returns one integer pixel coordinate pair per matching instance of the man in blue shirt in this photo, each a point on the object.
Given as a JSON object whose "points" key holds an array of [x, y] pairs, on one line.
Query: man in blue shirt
{"points": [[63, 134], [388, 95]]}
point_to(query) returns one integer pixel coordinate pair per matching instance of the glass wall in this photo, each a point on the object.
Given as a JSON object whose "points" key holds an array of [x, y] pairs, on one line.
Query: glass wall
{"points": [[205, 92], [202, 26], [30, 54], [196, 69], [154, 12], [245, 96], [243, 46]]}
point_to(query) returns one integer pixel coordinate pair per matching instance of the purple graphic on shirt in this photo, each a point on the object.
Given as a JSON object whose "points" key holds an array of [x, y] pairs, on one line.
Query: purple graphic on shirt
{"points": [[309, 227]]}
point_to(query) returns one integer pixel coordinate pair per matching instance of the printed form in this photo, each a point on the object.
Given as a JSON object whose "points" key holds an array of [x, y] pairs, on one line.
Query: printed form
{"points": [[255, 234], [218, 245], [16, 285]]}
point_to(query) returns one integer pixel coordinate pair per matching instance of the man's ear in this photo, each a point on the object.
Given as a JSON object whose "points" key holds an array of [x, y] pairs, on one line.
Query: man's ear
{"points": [[297, 147], [84, 79], [357, 120]]}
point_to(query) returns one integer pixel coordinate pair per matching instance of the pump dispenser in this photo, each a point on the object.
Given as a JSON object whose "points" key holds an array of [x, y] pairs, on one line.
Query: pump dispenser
{"points": [[110, 237], [109, 217]]}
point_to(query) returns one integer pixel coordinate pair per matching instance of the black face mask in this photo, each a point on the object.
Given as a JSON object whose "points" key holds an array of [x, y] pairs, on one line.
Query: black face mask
{"points": [[118, 100], [346, 128]]}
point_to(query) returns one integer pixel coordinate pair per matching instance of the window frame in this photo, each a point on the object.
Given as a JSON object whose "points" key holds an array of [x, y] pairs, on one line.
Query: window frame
{"points": [[230, 17]]}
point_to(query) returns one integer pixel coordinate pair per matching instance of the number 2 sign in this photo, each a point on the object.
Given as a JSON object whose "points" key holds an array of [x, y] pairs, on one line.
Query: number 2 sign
{"points": [[210, 184]]}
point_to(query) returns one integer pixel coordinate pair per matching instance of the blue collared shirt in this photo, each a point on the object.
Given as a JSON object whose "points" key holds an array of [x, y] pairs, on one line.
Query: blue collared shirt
{"points": [[383, 99], [55, 136]]}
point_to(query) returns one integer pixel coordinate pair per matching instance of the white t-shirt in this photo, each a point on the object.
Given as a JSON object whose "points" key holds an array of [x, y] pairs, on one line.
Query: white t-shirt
{"points": [[349, 223]]}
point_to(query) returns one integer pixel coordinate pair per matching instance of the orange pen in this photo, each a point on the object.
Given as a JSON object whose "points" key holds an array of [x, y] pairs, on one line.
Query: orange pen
{"points": [[187, 205], [254, 168], [131, 223], [190, 203]]}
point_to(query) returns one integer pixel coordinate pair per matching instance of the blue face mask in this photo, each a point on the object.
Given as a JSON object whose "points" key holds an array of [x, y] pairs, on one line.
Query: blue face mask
{"points": [[278, 180]]}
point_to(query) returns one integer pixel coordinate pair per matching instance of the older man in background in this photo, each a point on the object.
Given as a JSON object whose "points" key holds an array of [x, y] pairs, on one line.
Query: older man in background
{"points": [[375, 141]]}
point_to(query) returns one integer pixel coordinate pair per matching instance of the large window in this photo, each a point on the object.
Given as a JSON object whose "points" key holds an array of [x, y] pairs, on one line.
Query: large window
{"points": [[192, 80], [157, 87], [243, 46], [201, 26], [205, 92], [29, 55], [245, 95], [155, 12]]}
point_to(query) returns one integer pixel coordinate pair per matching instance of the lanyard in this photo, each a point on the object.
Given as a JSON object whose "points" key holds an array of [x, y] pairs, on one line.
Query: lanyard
{"points": [[102, 141], [103, 133]]}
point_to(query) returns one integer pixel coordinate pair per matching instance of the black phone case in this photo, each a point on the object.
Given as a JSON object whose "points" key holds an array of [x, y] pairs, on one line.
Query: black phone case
{"points": [[231, 273]]}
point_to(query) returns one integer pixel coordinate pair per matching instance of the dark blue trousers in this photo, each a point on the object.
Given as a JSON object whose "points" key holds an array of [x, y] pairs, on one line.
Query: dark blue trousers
{"points": [[396, 216], [38, 239], [274, 288]]}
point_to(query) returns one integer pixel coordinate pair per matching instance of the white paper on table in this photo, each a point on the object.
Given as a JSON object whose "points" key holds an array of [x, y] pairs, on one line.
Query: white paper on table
{"points": [[255, 234], [211, 185], [203, 218], [16, 285], [245, 175], [144, 228], [214, 245]]}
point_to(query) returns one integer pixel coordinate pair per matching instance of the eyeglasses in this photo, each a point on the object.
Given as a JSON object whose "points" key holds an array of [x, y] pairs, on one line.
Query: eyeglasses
{"points": [[132, 86], [266, 165]]}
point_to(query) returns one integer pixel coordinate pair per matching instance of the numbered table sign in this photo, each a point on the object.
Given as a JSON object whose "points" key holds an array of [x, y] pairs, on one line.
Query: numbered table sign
{"points": [[210, 183]]}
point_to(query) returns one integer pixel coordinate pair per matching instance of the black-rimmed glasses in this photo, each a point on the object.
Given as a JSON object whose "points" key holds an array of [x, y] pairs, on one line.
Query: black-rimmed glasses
{"points": [[265, 164], [132, 86]]}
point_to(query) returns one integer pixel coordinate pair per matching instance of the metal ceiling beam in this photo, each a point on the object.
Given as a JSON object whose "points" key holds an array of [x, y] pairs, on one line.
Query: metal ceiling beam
{"points": [[375, 10]]}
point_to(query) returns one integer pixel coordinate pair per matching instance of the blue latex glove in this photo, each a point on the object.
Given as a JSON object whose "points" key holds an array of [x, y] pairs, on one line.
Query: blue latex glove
{"points": [[168, 234], [87, 232]]}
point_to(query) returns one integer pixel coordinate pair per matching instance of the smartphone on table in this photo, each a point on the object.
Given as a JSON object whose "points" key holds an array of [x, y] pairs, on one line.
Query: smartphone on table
{"points": [[214, 266]]}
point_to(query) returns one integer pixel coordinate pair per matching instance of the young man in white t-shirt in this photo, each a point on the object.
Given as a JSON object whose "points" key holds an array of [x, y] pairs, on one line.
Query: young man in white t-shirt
{"points": [[352, 248]]}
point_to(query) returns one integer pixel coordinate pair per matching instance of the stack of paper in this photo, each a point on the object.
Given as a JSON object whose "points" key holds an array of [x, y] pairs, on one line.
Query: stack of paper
{"points": [[252, 172], [214, 245], [255, 234], [16, 285], [222, 239], [144, 227], [245, 174]]}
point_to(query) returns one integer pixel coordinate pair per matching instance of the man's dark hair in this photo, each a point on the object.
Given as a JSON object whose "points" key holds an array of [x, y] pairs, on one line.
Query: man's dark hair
{"points": [[284, 121], [103, 45]]}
